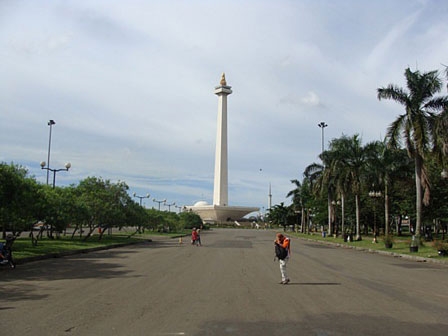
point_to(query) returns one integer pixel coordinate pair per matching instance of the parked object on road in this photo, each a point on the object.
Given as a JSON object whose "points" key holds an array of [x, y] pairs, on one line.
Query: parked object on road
{"points": [[6, 252]]}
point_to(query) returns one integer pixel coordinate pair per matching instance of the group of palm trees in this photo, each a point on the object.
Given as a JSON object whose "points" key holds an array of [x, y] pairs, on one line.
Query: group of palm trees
{"points": [[416, 143]]}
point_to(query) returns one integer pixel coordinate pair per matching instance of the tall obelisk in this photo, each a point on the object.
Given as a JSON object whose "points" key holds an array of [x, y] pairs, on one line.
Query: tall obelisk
{"points": [[220, 191], [220, 210]]}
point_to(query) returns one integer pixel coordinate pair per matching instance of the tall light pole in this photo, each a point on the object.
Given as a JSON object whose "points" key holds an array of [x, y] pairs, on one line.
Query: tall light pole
{"points": [[68, 165], [157, 201], [141, 197], [51, 122], [375, 195], [322, 125], [169, 205]]}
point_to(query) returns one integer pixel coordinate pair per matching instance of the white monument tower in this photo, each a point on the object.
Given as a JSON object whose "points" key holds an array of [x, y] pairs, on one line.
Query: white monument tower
{"points": [[220, 191], [220, 210]]}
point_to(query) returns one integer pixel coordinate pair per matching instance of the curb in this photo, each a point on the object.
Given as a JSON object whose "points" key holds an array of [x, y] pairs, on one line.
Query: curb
{"points": [[74, 252], [391, 254]]}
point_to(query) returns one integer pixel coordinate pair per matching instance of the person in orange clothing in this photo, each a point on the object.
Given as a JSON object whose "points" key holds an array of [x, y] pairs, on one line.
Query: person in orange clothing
{"points": [[285, 243]]}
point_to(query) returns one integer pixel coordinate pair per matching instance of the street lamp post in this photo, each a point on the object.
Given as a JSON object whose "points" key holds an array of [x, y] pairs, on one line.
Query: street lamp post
{"points": [[169, 205], [51, 122], [179, 207], [48, 169], [322, 125], [157, 201], [374, 195], [141, 197]]}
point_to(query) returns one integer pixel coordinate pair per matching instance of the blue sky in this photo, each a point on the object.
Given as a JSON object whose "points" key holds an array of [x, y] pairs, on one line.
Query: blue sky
{"points": [[130, 86]]}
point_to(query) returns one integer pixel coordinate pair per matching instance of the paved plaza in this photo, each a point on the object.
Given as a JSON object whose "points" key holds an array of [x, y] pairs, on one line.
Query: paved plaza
{"points": [[229, 286]]}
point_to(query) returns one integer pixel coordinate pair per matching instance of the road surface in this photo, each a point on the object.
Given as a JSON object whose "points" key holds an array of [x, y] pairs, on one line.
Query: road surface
{"points": [[229, 286]]}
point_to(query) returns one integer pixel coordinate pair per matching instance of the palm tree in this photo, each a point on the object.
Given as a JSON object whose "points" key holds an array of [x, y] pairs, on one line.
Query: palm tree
{"points": [[297, 200], [383, 166], [348, 166], [414, 125], [321, 180], [300, 199]]}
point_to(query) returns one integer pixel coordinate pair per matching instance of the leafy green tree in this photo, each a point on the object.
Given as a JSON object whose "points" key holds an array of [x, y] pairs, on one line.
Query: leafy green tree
{"points": [[189, 220], [136, 216], [278, 214], [414, 126], [104, 203], [17, 198]]}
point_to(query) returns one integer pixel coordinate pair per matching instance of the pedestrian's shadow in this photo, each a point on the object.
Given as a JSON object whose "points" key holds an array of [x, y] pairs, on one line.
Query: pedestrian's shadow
{"points": [[314, 284]]}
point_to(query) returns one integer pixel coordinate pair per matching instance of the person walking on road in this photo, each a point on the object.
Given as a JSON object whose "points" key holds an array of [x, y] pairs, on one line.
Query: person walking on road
{"points": [[194, 237], [198, 237], [283, 250]]}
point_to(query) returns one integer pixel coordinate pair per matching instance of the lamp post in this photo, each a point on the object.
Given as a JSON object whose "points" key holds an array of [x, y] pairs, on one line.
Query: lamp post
{"points": [[48, 169], [374, 195], [141, 197], [157, 201], [169, 205], [51, 122], [322, 125], [179, 207]]}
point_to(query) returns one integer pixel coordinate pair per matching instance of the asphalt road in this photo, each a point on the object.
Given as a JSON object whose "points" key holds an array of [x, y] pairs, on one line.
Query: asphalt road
{"points": [[229, 286]]}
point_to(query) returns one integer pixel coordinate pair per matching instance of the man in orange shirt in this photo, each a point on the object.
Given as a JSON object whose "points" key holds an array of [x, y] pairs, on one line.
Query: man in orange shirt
{"points": [[285, 243]]}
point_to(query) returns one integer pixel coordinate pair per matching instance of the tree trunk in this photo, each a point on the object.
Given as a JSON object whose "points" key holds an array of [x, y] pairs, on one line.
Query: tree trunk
{"points": [[342, 213], [303, 221], [358, 229], [386, 211], [418, 186], [329, 213]]}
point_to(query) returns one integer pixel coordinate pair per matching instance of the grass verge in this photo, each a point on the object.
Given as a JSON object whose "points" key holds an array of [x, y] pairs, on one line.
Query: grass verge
{"points": [[23, 247], [400, 245]]}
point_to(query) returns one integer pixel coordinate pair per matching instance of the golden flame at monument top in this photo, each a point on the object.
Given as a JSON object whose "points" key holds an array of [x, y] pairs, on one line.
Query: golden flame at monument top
{"points": [[223, 80]]}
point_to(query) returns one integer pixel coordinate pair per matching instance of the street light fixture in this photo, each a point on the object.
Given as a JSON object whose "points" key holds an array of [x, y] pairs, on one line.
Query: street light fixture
{"points": [[179, 207], [51, 122], [322, 125], [169, 205], [157, 201], [68, 165], [374, 195], [141, 197]]}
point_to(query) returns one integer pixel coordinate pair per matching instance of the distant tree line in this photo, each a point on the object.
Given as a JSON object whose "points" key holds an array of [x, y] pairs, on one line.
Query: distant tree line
{"points": [[94, 205]]}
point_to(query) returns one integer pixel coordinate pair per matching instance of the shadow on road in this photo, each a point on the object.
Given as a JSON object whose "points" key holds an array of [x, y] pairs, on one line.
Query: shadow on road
{"points": [[77, 266], [314, 284], [329, 324]]}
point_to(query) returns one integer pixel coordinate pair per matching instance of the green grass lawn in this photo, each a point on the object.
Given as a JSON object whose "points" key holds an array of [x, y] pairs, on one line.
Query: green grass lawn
{"points": [[23, 247], [400, 245]]}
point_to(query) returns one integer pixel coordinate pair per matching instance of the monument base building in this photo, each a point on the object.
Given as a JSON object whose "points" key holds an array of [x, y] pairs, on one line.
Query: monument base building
{"points": [[220, 213]]}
